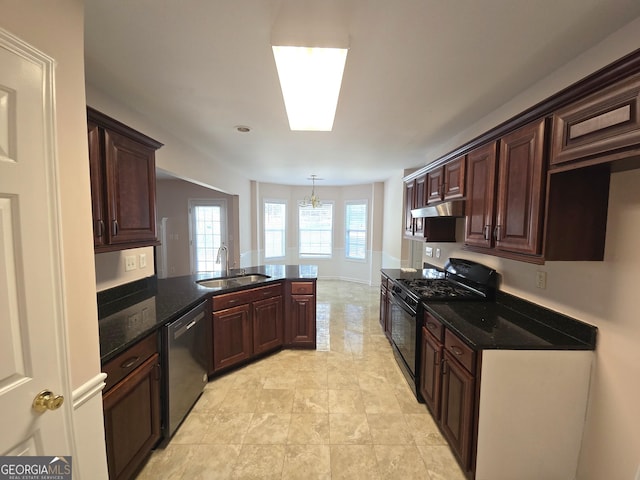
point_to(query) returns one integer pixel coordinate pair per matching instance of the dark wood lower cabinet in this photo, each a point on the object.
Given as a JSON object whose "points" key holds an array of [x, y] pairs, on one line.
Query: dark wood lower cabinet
{"points": [[457, 408], [232, 338], [302, 320], [430, 373], [132, 419], [267, 324]]}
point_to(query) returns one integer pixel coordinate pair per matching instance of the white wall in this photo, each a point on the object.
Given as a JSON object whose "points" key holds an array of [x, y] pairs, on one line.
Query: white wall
{"points": [[57, 29], [601, 293], [336, 267]]}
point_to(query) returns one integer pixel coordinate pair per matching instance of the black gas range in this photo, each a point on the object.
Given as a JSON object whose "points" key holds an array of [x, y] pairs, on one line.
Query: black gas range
{"points": [[461, 280]]}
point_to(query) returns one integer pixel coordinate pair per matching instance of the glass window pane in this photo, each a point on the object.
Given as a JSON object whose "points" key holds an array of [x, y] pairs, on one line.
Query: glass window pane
{"points": [[274, 229], [316, 230], [356, 230]]}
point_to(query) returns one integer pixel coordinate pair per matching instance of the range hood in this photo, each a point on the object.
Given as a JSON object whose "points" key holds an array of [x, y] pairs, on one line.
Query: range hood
{"points": [[447, 209]]}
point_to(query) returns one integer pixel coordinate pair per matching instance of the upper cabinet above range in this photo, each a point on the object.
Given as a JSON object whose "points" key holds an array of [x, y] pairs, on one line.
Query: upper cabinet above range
{"points": [[446, 182], [123, 184]]}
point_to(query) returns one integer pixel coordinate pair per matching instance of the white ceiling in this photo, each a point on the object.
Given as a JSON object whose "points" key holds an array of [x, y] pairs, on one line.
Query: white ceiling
{"points": [[417, 70]]}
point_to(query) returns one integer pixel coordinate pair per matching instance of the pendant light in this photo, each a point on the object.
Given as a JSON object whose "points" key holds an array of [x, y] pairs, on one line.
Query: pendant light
{"points": [[313, 201]]}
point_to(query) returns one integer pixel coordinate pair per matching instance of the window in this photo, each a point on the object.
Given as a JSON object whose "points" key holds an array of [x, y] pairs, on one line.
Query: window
{"points": [[315, 230], [275, 219], [208, 231], [356, 230]]}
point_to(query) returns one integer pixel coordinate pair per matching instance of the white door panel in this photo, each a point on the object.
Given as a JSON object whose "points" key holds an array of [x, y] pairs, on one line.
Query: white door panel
{"points": [[32, 346]]}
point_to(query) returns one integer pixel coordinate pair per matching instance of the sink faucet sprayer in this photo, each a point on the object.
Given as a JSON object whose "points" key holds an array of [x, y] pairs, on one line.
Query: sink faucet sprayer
{"points": [[226, 258]]}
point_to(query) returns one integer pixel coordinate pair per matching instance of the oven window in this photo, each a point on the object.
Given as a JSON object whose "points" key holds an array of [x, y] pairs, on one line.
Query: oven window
{"points": [[403, 334]]}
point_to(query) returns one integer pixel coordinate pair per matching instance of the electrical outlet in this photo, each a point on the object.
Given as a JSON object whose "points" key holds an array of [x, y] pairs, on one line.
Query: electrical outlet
{"points": [[142, 260], [428, 251], [541, 279], [437, 253], [129, 263]]}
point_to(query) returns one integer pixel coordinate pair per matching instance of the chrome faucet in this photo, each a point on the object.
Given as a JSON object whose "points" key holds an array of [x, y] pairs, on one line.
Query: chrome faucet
{"points": [[226, 258]]}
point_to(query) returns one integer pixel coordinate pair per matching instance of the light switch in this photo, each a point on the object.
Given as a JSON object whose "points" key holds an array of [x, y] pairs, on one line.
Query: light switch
{"points": [[142, 260], [437, 253]]}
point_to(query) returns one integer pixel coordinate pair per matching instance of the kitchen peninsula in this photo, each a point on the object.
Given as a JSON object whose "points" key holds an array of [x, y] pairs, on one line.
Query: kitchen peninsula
{"points": [[160, 339]]}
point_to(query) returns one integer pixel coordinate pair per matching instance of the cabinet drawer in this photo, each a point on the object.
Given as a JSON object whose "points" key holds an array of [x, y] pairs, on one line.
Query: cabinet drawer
{"points": [[120, 366], [599, 124], [302, 288], [460, 351], [433, 326], [228, 300]]}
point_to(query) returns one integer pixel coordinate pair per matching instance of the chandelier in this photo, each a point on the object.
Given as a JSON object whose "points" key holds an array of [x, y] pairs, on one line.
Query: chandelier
{"points": [[312, 201]]}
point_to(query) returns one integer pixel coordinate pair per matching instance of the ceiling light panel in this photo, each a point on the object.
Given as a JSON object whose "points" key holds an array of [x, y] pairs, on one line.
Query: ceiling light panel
{"points": [[310, 79]]}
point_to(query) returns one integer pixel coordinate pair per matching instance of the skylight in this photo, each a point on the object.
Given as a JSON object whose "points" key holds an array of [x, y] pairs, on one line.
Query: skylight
{"points": [[310, 79]]}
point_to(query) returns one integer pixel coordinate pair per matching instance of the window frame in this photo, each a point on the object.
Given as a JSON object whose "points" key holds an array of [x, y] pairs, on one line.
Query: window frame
{"points": [[332, 230], [224, 236], [265, 201], [346, 230]]}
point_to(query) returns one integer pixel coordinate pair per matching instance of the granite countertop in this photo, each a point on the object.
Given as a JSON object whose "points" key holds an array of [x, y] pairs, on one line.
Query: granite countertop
{"points": [[127, 316], [508, 323]]}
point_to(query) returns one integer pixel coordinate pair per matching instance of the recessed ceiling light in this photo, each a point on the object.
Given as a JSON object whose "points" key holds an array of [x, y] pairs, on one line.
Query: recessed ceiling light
{"points": [[310, 79], [242, 128]]}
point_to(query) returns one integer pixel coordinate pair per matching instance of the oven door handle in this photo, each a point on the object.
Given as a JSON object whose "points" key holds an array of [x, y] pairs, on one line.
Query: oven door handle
{"points": [[397, 300]]}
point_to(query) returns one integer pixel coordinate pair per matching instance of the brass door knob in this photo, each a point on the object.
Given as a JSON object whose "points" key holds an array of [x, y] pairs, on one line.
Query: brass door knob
{"points": [[47, 400]]}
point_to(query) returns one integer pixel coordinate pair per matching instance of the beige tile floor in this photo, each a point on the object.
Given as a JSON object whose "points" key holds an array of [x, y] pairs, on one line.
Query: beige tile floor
{"points": [[343, 411]]}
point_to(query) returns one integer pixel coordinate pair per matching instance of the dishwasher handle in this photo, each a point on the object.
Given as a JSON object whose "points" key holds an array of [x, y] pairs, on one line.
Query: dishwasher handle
{"points": [[184, 328]]}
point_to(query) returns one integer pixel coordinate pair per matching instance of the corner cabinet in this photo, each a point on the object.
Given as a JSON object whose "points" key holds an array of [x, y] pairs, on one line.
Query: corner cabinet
{"points": [[131, 403], [123, 184], [245, 324]]}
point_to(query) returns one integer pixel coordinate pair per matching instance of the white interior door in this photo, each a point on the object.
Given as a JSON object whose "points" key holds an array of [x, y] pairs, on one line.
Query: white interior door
{"points": [[32, 352]]}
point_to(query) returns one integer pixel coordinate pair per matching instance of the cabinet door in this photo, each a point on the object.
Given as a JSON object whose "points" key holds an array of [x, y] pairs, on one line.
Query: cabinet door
{"points": [[97, 174], [132, 419], [453, 179], [435, 181], [409, 202], [604, 123], [302, 320], [131, 189], [457, 408], [232, 339], [419, 200], [430, 368], [520, 192], [267, 324], [479, 207]]}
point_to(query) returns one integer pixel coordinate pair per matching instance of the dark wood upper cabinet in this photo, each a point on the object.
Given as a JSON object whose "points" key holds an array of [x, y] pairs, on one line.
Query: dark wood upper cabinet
{"points": [[521, 183], [505, 194], [409, 202], [123, 182], [446, 182], [601, 127], [481, 194]]}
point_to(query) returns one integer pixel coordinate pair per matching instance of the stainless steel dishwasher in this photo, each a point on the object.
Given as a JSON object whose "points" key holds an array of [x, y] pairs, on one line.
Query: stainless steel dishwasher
{"points": [[185, 354]]}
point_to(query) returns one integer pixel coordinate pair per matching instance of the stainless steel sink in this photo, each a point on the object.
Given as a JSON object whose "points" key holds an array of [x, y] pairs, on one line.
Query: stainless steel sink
{"points": [[235, 281]]}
